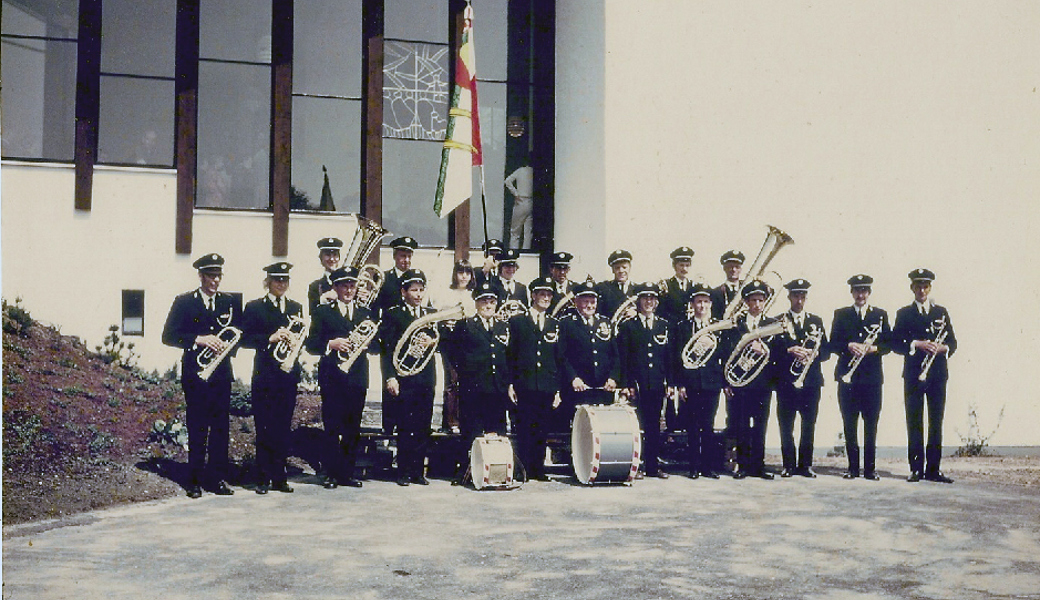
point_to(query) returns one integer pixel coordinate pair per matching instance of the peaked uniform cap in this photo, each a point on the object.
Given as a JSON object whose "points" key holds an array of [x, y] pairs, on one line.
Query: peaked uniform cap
{"points": [[682, 253], [279, 270], [485, 290], [330, 243], [404, 243], [860, 281], [542, 283], [343, 274], [921, 275], [618, 255], [562, 259], [755, 287], [798, 285], [734, 255], [699, 289], [209, 262], [412, 276], [508, 256]]}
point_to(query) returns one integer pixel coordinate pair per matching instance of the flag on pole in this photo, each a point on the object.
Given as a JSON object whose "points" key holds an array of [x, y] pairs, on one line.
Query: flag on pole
{"points": [[461, 151]]}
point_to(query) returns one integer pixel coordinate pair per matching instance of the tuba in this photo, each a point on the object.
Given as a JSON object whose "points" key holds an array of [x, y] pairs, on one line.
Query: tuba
{"points": [[702, 344], [746, 362], [419, 341], [775, 240], [800, 368], [367, 237], [285, 353], [209, 360], [358, 340]]}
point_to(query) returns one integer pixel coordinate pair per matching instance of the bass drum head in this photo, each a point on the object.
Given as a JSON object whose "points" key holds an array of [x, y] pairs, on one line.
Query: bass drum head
{"points": [[605, 443], [491, 462], [582, 446]]}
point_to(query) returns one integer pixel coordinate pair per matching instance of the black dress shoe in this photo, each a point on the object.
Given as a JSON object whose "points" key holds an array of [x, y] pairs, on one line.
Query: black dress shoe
{"points": [[330, 483], [937, 477], [660, 475], [807, 472], [764, 475], [914, 477], [402, 481], [222, 489], [786, 473], [739, 474], [282, 487], [640, 475], [262, 488], [710, 474], [194, 492], [354, 483], [850, 475], [871, 476], [420, 480], [694, 475]]}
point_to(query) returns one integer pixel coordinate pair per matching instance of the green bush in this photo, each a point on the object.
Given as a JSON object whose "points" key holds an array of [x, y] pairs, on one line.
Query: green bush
{"points": [[114, 350], [17, 319]]}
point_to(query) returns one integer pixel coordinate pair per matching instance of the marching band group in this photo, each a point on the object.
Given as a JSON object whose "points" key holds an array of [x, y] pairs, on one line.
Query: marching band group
{"points": [[520, 359]]}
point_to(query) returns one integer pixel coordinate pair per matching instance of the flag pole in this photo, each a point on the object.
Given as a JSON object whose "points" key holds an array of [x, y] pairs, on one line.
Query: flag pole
{"points": [[483, 209]]}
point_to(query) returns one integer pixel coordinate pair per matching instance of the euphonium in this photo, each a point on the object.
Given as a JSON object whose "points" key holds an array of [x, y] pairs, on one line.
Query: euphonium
{"points": [[566, 301], [209, 360], [746, 362], [940, 337], [509, 309], [800, 368], [419, 341], [625, 312], [367, 237], [775, 240], [358, 340], [286, 352], [872, 335], [702, 344]]}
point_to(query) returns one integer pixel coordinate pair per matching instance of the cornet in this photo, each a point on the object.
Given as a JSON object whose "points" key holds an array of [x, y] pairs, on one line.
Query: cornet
{"points": [[419, 341], [746, 361], [872, 335], [209, 360], [285, 352], [775, 240]]}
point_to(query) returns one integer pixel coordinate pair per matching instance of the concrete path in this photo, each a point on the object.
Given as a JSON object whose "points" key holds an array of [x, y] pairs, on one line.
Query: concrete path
{"points": [[794, 538]]}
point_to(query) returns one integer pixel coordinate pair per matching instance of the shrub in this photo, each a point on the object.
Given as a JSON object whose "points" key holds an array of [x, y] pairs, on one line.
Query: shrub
{"points": [[17, 319], [114, 350], [974, 443]]}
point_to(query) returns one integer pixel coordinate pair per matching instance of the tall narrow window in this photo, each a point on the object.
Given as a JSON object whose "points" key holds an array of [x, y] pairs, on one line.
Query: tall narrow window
{"points": [[133, 312]]}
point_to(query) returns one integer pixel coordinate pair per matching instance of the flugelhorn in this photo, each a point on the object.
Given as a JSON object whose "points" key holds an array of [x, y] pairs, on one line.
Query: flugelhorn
{"points": [[940, 337], [702, 344], [747, 361], [208, 360], [367, 236], [285, 352], [625, 312], [419, 341], [872, 335], [357, 341], [775, 240], [799, 367]]}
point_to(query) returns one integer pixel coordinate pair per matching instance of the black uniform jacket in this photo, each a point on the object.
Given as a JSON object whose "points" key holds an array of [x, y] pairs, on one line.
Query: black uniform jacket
{"points": [[588, 352], [260, 319], [848, 327], [810, 324], [611, 296], [395, 320], [534, 354], [720, 299], [189, 318], [314, 291], [519, 292], [765, 379], [646, 355], [674, 300], [481, 355], [912, 325], [327, 323], [390, 294], [709, 376], [558, 296]]}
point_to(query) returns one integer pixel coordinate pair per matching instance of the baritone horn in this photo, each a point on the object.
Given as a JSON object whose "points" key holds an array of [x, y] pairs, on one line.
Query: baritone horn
{"points": [[419, 341], [367, 236], [285, 352], [748, 359], [209, 360], [775, 240], [357, 341], [702, 345]]}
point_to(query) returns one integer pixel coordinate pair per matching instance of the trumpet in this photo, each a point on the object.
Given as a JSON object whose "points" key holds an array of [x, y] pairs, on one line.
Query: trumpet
{"points": [[358, 340], [208, 360], [940, 337], [702, 344], [625, 312], [285, 352], [509, 309], [800, 368], [367, 237], [419, 341], [747, 362], [775, 240], [872, 335]]}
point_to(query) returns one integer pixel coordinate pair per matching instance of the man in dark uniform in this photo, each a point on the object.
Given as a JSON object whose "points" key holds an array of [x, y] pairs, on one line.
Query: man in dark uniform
{"points": [[320, 290], [860, 335], [675, 292], [534, 357], [195, 321], [559, 270], [413, 393], [589, 357], [798, 386], [923, 331], [645, 351], [265, 326], [389, 296], [748, 409], [732, 264], [613, 293], [700, 386], [509, 287], [489, 270], [343, 393], [479, 344]]}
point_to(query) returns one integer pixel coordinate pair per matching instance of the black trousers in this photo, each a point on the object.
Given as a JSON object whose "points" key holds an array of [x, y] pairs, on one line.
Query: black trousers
{"points": [[342, 405], [699, 416], [274, 400], [208, 413], [673, 415], [415, 411], [479, 413], [792, 402], [649, 404], [916, 394], [534, 414], [751, 414], [860, 401]]}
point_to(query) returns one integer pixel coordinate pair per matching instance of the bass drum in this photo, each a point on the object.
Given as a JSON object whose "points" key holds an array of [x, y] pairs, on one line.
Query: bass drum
{"points": [[491, 462], [606, 443]]}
